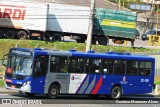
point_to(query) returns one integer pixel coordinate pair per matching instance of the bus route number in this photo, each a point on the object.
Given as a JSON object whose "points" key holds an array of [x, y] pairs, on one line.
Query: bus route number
{"points": [[144, 80]]}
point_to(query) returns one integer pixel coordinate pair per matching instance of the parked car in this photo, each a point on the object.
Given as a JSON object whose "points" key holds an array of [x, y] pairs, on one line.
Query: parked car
{"points": [[146, 35]]}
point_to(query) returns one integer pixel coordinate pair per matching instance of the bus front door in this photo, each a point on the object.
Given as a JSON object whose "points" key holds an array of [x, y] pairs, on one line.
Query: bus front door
{"points": [[39, 74]]}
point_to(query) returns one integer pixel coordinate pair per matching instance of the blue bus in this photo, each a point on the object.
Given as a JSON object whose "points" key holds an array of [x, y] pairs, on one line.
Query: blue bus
{"points": [[54, 72]]}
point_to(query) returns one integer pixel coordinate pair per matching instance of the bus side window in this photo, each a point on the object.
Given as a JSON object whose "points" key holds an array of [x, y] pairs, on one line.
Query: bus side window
{"points": [[63, 64], [41, 66], [110, 66], [107, 66], [93, 66], [119, 67], [53, 64], [76, 65], [72, 64], [80, 65], [97, 63], [145, 68], [58, 64], [132, 67]]}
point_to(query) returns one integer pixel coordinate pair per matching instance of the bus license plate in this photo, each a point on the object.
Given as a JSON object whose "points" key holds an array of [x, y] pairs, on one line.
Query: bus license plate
{"points": [[13, 86]]}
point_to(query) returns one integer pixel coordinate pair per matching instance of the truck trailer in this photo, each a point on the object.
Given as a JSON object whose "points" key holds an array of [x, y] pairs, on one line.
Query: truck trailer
{"points": [[51, 22]]}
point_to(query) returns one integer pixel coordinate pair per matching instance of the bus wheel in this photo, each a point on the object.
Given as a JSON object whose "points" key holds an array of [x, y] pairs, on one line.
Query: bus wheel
{"points": [[10, 34], [53, 91], [29, 94], [116, 92], [103, 41], [22, 35]]}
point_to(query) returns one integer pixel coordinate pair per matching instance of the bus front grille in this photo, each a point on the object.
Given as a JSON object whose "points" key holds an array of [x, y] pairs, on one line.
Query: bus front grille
{"points": [[14, 85]]}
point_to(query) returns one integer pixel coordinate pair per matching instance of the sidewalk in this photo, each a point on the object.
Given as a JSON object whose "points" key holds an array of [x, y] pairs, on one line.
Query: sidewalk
{"points": [[7, 91]]}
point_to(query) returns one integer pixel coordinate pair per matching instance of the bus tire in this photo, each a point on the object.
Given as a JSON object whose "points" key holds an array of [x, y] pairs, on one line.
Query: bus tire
{"points": [[10, 34], [22, 35], [53, 91], [29, 94], [116, 92], [103, 41]]}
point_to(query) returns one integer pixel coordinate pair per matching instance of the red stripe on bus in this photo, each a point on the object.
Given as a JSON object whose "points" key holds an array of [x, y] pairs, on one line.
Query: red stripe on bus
{"points": [[97, 87]]}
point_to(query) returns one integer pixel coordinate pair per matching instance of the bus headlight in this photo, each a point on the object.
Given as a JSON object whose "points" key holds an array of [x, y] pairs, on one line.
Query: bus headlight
{"points": [[26, 83]]}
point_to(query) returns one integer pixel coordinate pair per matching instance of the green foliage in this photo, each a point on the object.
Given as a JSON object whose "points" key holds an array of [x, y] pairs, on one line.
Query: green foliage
{"points": [[157, 80], [6, 44], [1, 83]]}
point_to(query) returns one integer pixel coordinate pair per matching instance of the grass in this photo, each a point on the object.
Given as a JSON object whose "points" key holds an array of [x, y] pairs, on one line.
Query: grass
{"points": [[157, 80], [1, 83], [6, 44]]}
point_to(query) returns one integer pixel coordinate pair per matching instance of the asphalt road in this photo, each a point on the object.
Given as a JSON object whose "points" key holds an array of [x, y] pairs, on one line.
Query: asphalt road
{"points": [[80, 99], [21, 100]]}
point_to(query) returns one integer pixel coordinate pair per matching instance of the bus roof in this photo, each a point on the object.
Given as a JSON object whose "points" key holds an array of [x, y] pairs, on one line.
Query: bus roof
{"points": [[89, 54], [92, 54]]}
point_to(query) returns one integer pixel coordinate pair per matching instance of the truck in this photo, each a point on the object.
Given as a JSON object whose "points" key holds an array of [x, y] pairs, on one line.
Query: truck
{"points": [[51, 22]]}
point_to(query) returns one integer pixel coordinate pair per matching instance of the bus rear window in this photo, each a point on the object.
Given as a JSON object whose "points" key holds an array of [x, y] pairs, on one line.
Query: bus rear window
{"points": [[145, 68]]}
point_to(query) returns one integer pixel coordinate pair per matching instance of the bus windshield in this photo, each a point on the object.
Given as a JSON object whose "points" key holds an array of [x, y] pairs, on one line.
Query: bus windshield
{"points": [[19, 65]]}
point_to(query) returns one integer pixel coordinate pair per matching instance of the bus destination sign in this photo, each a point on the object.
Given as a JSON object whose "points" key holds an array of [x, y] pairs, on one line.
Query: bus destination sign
{"points": [[21, 52]]}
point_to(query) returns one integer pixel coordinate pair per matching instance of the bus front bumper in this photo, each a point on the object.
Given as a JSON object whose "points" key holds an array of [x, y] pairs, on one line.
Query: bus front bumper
{"points": [[23, 88]]}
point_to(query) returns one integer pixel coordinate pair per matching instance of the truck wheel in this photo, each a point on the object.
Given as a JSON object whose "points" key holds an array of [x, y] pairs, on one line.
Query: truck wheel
{"points": [[102, 41], [10, 34], [22, 35], [46, 37], [132, 42], [56, 37], [1, 34], [94, 41], [53, 91], [116, 92], [81, 40]]}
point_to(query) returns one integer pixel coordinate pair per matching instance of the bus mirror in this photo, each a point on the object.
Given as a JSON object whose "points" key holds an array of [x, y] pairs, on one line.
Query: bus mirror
{"points": [[4, 60]]}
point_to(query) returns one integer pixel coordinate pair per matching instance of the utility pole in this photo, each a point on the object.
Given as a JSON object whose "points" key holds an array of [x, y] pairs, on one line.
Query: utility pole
{"points": [[157, 18], [90, 30], [119, 5]]}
